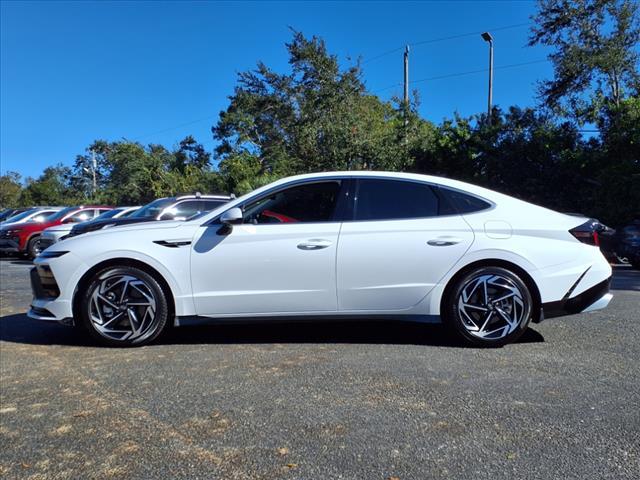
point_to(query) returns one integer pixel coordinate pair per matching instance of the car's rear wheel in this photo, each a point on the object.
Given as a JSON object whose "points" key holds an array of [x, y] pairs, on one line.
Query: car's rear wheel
{"points": [[34, 247], [123, 307], [488, 306]]}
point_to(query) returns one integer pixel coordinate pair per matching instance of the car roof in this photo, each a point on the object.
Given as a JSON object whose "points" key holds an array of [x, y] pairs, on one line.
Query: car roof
{"points": [[199, 196], [443, 181]]}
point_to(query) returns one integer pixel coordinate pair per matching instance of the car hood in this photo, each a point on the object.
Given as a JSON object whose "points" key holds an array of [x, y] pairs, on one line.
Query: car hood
{"points": [[138, 226], [9, 226], [110, 222], [16, 225], [124, 237]]}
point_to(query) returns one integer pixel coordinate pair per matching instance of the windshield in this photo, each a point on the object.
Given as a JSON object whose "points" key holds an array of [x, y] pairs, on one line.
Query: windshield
{"points": [[21, 216], [61, 214], [109, 214], [152, 209]]}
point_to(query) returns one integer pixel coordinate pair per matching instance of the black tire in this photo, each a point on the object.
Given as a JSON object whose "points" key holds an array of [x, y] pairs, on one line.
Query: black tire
{"points": [[148, 284], [454, 308], [33, 247]]}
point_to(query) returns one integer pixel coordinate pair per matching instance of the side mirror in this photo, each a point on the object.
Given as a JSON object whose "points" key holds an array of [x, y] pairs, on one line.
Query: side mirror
{"points": [[233, 216]]}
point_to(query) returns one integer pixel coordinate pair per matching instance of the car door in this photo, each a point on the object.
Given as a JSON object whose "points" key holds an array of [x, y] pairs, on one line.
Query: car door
{"points": [[397, 246], [281, 259]]}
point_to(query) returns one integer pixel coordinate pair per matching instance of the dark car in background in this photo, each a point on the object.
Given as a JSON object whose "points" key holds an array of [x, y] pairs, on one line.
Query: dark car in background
{"points": [[170, 208], [627, 243]]}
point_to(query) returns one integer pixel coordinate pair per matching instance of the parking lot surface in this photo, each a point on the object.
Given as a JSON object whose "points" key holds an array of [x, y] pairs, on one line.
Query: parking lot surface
{"points": [[357, 400]]}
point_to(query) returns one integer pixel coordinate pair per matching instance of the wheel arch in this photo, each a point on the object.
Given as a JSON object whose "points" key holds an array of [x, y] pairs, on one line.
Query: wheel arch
{"points": [[29, 237], [496, 262], [124, 262]]}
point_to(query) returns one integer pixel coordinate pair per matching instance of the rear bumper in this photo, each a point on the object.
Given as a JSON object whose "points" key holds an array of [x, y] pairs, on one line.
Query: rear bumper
{"points": [[594, 298]]}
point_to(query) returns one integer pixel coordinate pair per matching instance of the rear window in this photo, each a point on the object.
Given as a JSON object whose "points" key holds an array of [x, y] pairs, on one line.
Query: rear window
{"points": [[462, 202]]}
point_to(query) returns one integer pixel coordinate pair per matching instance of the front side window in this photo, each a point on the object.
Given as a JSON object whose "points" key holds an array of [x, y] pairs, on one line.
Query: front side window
{"points": [[312, 202], [379, 199], [81, 216]]}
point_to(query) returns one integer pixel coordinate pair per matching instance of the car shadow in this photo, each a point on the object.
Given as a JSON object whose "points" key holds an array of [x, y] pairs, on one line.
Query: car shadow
{"points": [[15, 260], [625, 277], [18, 328]]}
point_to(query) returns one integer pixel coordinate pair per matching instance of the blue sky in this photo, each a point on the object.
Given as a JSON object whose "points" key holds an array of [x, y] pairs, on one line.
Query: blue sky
{"points": [[72, 72]]}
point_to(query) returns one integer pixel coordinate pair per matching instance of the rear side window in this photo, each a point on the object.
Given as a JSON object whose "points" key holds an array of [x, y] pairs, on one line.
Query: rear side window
{"points": [[462, 202], [379, 199]]}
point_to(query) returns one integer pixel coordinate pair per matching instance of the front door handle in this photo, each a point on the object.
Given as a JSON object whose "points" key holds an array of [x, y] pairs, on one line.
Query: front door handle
{"points": [[314, 244], [444, 241]]}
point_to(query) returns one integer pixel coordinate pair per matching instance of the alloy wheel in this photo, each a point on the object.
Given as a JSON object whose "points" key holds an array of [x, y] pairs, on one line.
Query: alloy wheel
{"points": [[491, 306], [123, 307], [37, 247]]}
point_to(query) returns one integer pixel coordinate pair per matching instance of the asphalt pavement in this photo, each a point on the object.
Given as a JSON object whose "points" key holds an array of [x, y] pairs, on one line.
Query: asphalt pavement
{"points": [[360, 400]]}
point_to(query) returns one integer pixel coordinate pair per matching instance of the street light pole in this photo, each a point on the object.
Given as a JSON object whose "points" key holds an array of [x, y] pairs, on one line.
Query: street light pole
{"points": [[486, 36]]}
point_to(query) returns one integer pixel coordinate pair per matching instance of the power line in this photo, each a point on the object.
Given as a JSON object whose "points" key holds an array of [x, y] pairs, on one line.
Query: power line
{"points": [[209, 117], [471, 72], [461, 74], [442, 39]]}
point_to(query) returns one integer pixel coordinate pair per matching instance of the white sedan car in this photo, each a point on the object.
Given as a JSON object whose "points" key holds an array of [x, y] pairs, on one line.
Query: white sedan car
{"points": [[365, 245]]}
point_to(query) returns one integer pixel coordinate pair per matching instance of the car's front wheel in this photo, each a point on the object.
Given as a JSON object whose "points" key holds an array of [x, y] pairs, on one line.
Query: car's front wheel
{"points": [[123, 307], [488, 306], [34, 247]]}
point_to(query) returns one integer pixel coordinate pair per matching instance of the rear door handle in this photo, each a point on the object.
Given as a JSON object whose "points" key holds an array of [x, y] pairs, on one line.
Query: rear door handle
{"points": [[444, 241], [314, 244]]}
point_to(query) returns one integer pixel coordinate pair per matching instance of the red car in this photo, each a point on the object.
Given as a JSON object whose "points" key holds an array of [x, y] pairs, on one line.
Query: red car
{"points": [[25, 238]]}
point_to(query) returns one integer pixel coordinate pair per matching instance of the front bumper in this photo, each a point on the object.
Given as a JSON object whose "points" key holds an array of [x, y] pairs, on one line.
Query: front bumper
{"points": [[594, 298], [45, 304], [9, 245]]}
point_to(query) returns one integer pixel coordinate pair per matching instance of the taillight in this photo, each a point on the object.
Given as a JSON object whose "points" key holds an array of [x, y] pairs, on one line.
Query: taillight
{"points": [[587, 233]]}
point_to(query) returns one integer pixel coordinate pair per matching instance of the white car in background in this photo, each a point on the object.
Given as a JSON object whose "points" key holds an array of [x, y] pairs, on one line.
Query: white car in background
{"points": [[52, 235], [363, 245]]}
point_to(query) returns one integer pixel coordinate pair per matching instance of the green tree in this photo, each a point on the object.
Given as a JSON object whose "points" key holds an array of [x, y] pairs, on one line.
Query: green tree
{"points": [[190, 153], [595, 54], [51, 188], [315, 118], [10, 189]]}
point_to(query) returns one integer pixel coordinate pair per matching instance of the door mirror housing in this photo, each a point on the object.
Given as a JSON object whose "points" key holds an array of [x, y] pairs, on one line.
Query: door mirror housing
{"points": [[233, 216]]}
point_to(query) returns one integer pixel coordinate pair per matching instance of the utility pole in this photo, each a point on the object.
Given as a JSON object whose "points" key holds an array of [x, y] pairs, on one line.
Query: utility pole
{"points": [[406, 75], [486, 36], [93, 172]]}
